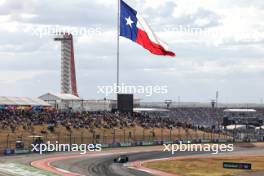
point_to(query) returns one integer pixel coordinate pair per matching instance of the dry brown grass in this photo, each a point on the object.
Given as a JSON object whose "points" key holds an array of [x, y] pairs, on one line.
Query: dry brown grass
{"points": [[206, 166]]}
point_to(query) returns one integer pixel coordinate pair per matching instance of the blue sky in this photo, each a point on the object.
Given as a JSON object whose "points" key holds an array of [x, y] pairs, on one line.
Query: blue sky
{"points": [[219, 46]]}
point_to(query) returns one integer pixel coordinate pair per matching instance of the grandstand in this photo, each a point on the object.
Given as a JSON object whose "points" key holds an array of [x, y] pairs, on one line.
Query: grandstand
{"points": [[176, 104], [244, 124], [241, 117], [106, 127]]}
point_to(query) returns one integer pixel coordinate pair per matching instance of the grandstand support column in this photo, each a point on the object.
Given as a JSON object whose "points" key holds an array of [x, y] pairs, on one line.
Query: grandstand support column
{"points": [[7, 141], [149, 136], [161, 131], [170, 133], [196, 132], [93, 131], [124, 135], [70, 138], [104, 138], [179, 132], [134, 135], [82, 137], [58, 137], [143, 134], [114, 135], [153, 134]]}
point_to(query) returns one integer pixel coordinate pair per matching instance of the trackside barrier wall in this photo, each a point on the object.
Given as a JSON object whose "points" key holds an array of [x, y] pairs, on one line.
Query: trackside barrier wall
{"points": [[125, 144], [205, 141], [158, 142], [105, 145], [8, 152], [147, 143], [222, 140], [168, 142]]}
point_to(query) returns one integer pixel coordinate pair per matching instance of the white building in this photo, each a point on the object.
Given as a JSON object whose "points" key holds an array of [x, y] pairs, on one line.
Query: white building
{"points": [[74, 103], [63, 101]]}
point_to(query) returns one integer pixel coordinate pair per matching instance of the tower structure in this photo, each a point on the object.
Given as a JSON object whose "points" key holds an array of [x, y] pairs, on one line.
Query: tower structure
{"points": [[68, 74]]}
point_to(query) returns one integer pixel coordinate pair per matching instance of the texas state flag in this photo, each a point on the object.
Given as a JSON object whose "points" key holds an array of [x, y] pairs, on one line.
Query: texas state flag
{"points": [[135, 28]]}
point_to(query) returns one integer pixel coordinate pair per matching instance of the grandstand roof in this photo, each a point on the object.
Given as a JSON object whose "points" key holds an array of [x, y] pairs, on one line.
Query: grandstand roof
{"points": [[232, 127], [67, 97], [150, 110], [51, 96], [22, 101], [260, 128], [240, 110]]}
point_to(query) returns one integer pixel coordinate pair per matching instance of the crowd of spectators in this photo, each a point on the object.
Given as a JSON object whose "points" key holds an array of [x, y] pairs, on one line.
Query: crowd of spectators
{"points": [[205, 117], [196, 118], [10, 119]]}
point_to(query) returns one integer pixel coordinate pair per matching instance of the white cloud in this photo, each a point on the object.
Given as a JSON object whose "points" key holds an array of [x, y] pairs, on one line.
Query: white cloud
{"points": [[11, 77]]}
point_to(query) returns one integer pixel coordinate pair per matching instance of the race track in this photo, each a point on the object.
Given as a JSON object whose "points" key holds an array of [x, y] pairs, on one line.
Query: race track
{"points": [[98, 164], [104, 166]]}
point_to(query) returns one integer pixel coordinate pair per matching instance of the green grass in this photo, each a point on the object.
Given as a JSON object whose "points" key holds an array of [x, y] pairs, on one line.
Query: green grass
{"points": [[21, 170]]}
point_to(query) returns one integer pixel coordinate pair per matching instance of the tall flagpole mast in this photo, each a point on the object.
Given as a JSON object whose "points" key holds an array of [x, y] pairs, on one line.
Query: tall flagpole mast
{"points": [[117, 53]]}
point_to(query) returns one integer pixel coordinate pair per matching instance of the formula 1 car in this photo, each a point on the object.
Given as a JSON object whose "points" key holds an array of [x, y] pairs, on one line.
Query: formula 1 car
{"points": [[121, 159]]}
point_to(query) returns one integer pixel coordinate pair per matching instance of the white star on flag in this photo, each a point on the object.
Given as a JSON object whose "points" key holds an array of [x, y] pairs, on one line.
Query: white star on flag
{"points": [[129, 21]]}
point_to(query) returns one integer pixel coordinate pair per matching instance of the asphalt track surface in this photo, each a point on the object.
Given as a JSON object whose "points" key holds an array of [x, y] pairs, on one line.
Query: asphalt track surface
{"points": [[104, 165]]}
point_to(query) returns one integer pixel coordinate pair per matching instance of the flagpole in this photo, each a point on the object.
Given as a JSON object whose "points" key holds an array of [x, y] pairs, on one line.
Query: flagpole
{"points": [[117, 53]]}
